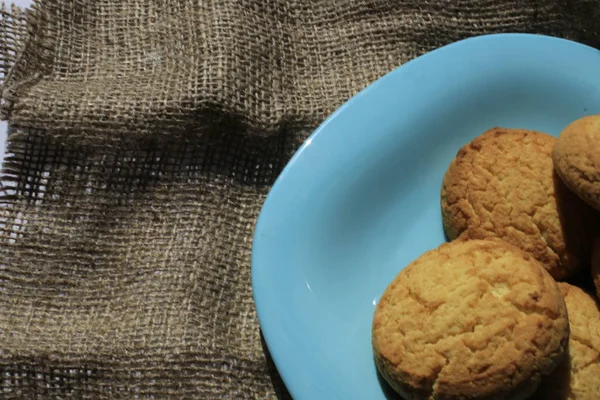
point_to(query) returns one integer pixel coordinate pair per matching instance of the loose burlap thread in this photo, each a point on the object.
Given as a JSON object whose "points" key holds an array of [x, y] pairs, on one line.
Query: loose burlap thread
{"points": [[145, 135]]}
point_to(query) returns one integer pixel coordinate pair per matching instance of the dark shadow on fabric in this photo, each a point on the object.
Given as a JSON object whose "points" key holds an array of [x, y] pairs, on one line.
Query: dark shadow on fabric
{"points": [[279, 387], [240, 159], [582, 20], [211, 126], [579, 21]]}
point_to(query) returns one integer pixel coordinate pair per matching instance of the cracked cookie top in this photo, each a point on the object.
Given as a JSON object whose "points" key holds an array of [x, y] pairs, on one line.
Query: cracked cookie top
{"points": [[576, 158], [503, 185], [477, 319], [578, 378]]}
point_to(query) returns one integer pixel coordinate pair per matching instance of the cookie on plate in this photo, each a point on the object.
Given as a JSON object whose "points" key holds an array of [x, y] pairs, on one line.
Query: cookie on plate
{"points": [[578, 377], [576, 156], [476, 319], [503, 185]]}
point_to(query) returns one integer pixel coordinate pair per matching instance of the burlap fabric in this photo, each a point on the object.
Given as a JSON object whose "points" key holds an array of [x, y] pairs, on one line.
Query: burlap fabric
{"points": [[145, 135]]}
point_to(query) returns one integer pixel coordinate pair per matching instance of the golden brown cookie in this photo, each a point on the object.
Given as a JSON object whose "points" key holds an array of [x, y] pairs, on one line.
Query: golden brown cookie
{"points": [[503, 185], [578, 377], [477, 319], [576, 156]]}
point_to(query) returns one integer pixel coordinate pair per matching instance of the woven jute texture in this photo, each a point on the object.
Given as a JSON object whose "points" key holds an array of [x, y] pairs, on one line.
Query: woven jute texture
{"points": [[145, 135]]}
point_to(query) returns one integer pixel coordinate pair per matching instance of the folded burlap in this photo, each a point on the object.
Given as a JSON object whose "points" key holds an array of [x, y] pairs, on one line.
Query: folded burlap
{"points": [[145, 135]]}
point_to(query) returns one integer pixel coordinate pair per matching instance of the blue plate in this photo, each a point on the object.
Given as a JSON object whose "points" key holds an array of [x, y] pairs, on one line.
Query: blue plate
{"points": [[361, 198]]}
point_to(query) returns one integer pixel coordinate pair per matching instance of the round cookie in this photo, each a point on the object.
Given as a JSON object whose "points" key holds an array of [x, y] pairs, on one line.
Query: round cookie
{"points": [[576, 157], [578, 377], [477, 319], [503, 185]]}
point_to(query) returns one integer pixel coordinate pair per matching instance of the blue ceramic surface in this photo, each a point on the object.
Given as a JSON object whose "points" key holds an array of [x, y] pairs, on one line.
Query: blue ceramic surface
{"points": [[360, 199]]}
